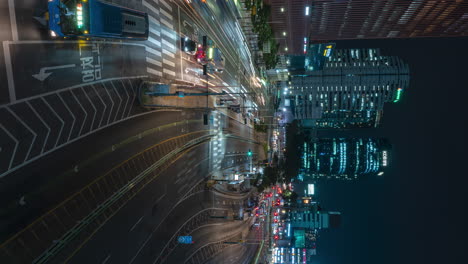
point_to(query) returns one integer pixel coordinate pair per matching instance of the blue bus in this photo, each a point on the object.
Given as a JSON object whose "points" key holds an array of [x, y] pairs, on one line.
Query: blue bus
{"points": [[95, 19]]}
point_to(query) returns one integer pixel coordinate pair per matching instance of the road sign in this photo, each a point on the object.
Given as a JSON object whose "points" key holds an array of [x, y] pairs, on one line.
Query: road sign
{"points": [[185, 240]]}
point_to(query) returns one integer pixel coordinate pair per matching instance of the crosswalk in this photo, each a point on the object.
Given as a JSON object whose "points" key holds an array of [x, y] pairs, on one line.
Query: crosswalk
{"points": [[162, 40]]}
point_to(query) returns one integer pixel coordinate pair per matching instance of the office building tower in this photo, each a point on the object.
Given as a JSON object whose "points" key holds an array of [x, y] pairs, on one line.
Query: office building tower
{"points": [[353, 83], [344, 158], [369, 19]]}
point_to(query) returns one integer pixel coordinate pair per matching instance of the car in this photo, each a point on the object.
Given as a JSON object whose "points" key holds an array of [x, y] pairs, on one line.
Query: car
{"points": [[188, 46]]}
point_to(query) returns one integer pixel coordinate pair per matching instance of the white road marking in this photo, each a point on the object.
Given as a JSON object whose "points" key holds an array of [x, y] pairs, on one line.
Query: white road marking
{"points": [[171, 46], [61, 120], [133, 227], [155, 42], [95, 110], [154, 20], [153, 51], [112, 107], [166, 5], [73, 116], [126, 102], [27, 127], [153, 71], [166, 23], [152, 61], [45, 124], [117, 92], [168, 53], [9, 71], [166, 14], [106, 259], [171, 35], [102, 101], [14, 28], [16, 144], [86, 113], [168, 62], [154, 31], [134, 95], [169, 72], [150, 7]]}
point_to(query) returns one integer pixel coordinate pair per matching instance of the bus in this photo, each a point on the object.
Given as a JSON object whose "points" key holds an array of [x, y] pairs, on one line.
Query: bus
{"points": [[95, 19]]}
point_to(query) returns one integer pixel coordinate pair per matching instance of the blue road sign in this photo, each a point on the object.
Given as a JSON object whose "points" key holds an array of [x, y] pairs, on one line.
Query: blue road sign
{"points": [[185, 239]]}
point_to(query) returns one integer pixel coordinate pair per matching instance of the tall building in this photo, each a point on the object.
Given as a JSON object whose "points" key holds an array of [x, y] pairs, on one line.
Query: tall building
{"points": [[290, 23], [350, 90], [370, 19], [344, 158]]}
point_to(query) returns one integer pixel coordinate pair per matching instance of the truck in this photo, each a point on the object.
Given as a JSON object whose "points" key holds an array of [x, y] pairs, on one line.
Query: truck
{"points": [[95, 19]]}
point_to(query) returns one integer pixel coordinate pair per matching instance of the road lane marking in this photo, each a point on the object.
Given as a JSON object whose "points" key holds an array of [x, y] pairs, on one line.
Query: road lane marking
{"points": [[9, 71], [166, 23], [169, 34], [121, 101], [153, 71], [104, 104], [82, 108], [133, 227], [126, 102], [155, 42], [152, 61], [168, 53], [169, 72], [153, 51], [171, 46], [110, 97], [61, 120], [154, 31], [166, 14], [154, 20], [106, 259], [94, 107], [16, 144], [27, 127], [150, 7], [166, 5], [168, 62], [14, 28], [45, 124], [73, 116]]}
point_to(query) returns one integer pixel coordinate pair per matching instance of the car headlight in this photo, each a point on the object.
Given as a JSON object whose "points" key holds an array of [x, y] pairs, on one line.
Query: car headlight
{"points": [[52, 33]]}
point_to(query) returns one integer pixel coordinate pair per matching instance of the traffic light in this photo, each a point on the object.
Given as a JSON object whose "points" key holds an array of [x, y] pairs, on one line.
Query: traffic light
{"points": [[249, 153]]}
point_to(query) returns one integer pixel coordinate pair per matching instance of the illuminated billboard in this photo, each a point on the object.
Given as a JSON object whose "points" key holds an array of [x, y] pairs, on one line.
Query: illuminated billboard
{"points": [[317, 55], [310, 189]]}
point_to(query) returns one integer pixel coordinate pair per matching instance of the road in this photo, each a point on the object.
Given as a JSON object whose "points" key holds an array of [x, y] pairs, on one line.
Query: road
{"points": [[75, 137]]}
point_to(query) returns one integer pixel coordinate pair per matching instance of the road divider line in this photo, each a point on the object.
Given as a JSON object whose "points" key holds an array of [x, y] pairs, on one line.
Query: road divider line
{"points": [[61, 120], [139, 220], [28, 128], [94, 107], [106, 259], [168, 53], [45, 124], [155, 42], [14, 28], [165, 4], [9, 71], [82, 108], [153, 51], [153, 71], [169, 72], [16, 145], [150, 7], [166, 23], [153, 61], [168, 62], [166, 14]]}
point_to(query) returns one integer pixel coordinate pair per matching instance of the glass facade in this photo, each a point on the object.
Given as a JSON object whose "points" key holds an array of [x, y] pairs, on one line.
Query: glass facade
{"points": [[344, 158], [353, 85]]}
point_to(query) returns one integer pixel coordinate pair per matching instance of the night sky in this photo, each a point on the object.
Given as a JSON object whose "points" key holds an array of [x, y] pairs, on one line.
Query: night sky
{"points": [[416, 212]]}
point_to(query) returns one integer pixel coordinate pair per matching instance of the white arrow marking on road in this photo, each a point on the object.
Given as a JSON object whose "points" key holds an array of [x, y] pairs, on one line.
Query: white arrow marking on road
{"points": [[42, 75]]}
